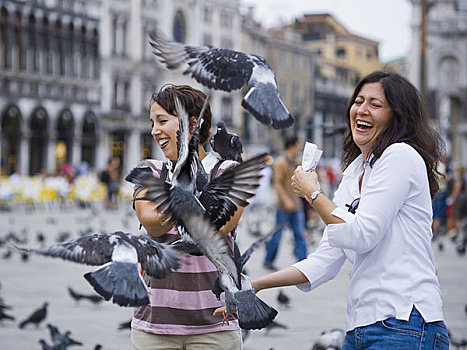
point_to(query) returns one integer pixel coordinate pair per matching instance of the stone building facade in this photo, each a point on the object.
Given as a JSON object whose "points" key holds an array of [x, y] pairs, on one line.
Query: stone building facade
{"points": [[49, 84], [446, 70]]}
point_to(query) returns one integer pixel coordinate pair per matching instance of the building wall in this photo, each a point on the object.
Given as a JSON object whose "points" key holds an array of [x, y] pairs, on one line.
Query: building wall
{"points": [[446, 71], [49, 73]]}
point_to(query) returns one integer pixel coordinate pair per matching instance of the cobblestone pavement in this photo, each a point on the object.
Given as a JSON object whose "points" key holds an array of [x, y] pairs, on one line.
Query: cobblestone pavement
{"points": [[27, 285]]}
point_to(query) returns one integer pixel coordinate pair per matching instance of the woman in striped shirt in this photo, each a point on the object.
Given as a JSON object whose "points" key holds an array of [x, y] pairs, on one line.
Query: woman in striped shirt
{"points": [[180, 312]]}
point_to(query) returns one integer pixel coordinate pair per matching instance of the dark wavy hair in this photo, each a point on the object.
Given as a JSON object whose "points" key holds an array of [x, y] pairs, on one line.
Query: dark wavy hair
{"points": [[410, 124], [191, 98]]}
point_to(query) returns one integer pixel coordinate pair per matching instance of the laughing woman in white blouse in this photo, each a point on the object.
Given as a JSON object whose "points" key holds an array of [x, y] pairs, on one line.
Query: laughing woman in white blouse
{"points": [[380, 220]]}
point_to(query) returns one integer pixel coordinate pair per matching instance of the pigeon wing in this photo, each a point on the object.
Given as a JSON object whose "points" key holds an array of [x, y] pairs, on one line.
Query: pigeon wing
{"points": [[262, 99], [157, 259], [223, 194], [246, 255], [157, 189], [219, 68], [95, 249]]}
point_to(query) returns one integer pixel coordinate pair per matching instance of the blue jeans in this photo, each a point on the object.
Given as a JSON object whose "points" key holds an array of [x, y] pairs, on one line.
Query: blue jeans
{"points": [[396, 334], [296, 220]]}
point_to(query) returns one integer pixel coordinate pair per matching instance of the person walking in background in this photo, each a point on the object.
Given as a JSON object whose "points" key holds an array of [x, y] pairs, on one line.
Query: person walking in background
{"points": [[380, 220], [179, 315], [111, 177], [289, 207]]}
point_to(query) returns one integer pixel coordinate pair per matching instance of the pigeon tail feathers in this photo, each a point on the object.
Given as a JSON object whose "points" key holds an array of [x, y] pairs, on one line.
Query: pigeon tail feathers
{"points": [[267, 108], [253, 313], [120, 280]]}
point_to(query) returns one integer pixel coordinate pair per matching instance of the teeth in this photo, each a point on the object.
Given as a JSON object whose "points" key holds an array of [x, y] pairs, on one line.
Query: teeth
{"points": [[162, 143], [364, 124]]}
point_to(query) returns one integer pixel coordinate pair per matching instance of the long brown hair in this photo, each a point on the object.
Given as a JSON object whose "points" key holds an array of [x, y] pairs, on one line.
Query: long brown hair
{"points": [[192, 99], [410, 124]]}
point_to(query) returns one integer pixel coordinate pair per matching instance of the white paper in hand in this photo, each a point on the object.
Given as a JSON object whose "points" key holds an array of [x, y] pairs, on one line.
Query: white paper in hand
{"points": [[311, 156]]}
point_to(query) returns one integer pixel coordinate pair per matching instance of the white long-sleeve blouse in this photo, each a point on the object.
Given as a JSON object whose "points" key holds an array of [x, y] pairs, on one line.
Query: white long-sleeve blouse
{"points": [[388, 241]]}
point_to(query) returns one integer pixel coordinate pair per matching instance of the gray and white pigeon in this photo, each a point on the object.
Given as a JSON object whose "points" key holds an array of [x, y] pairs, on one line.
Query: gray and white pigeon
{"points": [[200, 218], [227, 70], [119, 253], [227, 145], [59, 340]]}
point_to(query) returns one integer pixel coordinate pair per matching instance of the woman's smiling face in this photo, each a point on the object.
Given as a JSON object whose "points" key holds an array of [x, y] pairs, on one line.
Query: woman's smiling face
{"points": [[164, 130], [370, 116]]}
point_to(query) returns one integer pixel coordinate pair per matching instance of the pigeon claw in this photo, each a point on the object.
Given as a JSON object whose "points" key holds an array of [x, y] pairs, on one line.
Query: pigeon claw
{"points": [[225, 318]]}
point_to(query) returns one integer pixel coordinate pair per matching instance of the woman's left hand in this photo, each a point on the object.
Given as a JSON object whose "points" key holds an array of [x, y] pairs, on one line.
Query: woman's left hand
{"points": [[219, 311], [304, 183]]}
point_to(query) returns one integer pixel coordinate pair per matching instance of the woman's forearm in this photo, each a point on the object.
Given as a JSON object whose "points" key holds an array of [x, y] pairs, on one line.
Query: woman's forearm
{"points": [[289, 276], [154, 222]]}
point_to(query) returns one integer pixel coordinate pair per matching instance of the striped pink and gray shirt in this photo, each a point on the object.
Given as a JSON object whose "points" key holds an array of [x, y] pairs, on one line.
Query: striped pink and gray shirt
{"points": [[183, 302]]}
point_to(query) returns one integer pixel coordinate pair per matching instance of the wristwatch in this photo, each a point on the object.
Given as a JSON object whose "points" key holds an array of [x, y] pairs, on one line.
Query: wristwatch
{"points": [[313, 196]]}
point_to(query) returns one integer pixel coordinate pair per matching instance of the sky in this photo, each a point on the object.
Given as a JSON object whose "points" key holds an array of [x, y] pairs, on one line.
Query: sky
{"points": [[385, 21]]}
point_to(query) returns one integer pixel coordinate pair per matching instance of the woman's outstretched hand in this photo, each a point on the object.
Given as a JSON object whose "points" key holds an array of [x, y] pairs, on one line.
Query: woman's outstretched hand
{"points": [[304, 183]]}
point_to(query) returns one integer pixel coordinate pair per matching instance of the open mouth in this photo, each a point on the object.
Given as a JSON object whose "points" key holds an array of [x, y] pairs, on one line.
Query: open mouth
{"points": [[163, 143], [363, 125]]}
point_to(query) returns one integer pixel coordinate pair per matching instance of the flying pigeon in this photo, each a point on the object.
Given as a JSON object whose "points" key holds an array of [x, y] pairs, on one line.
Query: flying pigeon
{"points": [[201, 218], [36, 317], [218, 199], [227, 145], [119, 253], [227, 70]]}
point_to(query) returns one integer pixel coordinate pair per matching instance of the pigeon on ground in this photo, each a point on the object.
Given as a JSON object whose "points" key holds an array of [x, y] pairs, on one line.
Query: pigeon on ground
{"points": [[46, 346], [36, 317], [59, 340], [334, 339], [200, 219], [4, 316], [94, 298], [227, 70], [227, 145], [3, 306], [119, 253], [283, 299], [40, 237]]}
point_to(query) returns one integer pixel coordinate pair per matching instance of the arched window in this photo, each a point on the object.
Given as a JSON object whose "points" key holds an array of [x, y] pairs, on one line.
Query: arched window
{"points": [[33, 59], [89, 139], [38, 141], [5, 54], [17, 41], [64, 145], [179, 28], [10, 140]]}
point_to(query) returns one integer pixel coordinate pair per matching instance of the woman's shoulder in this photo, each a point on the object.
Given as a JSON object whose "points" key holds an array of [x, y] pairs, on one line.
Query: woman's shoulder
{"points": [[403, 154], [154, 164], [401, 148]]}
